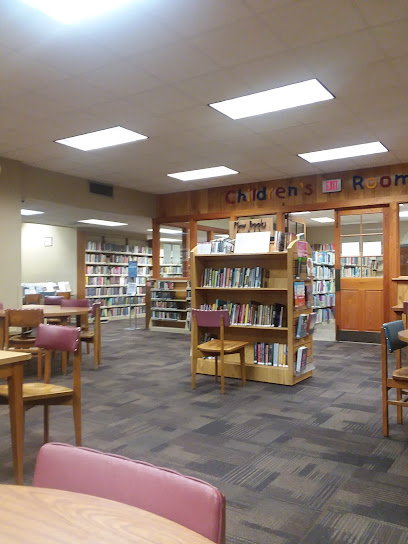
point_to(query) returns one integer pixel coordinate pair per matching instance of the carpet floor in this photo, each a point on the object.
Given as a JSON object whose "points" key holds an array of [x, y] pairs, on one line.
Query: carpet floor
{"points": [[298, 465]]}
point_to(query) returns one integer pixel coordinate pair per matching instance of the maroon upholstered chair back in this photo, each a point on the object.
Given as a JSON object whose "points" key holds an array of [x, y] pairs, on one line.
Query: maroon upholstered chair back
{"points": [[193, 503], [56, 337], [75, 302], [211, 318], [53, 300], [405, 307], [95, 305]]}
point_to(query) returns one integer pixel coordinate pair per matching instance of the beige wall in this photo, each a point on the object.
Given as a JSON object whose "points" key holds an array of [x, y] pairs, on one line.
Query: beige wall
{"points": [[41, 263], [10, 235], [320, 235]]}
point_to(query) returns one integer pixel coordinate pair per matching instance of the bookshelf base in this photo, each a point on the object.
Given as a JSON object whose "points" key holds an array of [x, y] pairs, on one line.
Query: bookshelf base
{"points": [[256, 373]]}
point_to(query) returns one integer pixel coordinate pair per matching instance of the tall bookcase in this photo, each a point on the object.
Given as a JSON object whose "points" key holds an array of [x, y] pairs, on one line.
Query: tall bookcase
{"points": [[169, 305], [324, 297], [106, 277], [280, 271]]}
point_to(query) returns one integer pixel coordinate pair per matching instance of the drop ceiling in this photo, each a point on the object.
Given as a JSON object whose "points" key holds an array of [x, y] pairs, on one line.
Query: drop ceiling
{"points": [[153, 66]]}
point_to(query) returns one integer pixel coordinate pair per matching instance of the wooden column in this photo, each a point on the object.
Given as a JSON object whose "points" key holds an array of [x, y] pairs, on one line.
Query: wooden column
{"points": [[392, 246], [210, 235], [280, 221], [156, 249]]}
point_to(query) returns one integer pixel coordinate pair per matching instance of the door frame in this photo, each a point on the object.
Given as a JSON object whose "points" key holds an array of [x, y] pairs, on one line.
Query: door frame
{"points": [[363, 336]]}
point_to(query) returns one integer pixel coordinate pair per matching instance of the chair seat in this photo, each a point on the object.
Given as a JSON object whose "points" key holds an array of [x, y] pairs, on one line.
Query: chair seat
{"points": [[87, 335], [36, 391], [401, 374], [22, 340], [214, 346]]}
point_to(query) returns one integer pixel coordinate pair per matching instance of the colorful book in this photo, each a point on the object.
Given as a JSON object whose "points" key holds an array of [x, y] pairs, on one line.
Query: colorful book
{"points": [[301, 330], [311, 323], [299, 294], [301, 359]]}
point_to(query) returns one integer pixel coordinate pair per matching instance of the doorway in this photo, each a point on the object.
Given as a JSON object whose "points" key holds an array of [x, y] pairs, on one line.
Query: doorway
{"points": [[359, 235]]}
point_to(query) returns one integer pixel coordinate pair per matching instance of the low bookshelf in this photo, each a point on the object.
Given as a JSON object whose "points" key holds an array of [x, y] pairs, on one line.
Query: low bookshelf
{"points": [[169, 303], [258, 290]]}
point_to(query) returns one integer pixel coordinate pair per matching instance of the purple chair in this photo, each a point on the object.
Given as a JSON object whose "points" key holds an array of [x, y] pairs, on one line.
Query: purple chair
{"points": [[215, 348], [78, 303], [53, 300], [193, 503], [54, 338]]}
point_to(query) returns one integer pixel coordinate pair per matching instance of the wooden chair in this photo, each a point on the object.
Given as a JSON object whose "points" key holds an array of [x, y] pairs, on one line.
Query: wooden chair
{"points": [[217, 348], [93, 336], [52, 300], [26, 320], [33, 298], [78, 302], [390, 343], [64, 294], [54, 338]]}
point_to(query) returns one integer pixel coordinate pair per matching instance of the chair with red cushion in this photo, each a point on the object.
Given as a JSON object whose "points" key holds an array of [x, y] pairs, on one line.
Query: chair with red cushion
{"points": [[78, 303], [52, 300], [214, 348], [191, 502]]}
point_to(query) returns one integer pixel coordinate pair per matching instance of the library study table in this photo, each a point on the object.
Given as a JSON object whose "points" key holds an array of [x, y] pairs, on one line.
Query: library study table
{"points": [[49, 310], [11, 368], [403, 335], [47, 516]]}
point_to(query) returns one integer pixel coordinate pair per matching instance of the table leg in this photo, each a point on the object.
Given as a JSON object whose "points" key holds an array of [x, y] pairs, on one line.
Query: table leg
{"points": [[15, 388]]}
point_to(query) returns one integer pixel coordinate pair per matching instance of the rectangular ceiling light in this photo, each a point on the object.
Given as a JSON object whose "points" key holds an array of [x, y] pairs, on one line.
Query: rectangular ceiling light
{"points": [[403, 213], [322, 219], [213, 172], [344, 152], [102, 138], [281, 98], [29, 212], [299, 213], [101, 222], [167, 231], [174, 240], [73, 11]]}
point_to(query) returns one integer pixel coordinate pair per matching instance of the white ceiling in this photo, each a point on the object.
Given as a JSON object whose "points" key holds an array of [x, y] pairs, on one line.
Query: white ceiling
{"points": [[155, 65]]}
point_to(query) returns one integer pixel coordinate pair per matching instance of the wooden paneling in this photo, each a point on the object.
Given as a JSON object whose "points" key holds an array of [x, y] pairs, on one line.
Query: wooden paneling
{"points": [[362, 306], [373, 310], [352, 310]]}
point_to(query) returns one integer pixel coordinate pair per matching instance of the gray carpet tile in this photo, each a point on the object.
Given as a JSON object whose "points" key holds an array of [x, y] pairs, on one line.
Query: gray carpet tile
{"points": [[298, 465]]}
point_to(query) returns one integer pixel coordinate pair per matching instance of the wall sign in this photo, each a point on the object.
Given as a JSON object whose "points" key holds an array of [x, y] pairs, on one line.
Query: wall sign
{"points": [[331, 185]]}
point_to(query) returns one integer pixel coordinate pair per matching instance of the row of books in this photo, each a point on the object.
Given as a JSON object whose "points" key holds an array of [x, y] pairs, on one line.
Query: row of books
{"points": [[350, 272], [270, 354], [323, 247], [235, 277], [324, 314], [116, 259], [120, 248], [222, 245], [116, 301], [323, 272], [171, 269], [251, 314], [165, 304], [164, 285], [116, 270], [303, 294], [320, 257], [321, 301], [323, 286], [112, 290], [106, 281], [306, 325], [172, 316]]}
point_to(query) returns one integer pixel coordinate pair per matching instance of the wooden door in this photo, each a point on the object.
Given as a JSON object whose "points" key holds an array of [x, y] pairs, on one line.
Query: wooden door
{"points": [[360, 266]]}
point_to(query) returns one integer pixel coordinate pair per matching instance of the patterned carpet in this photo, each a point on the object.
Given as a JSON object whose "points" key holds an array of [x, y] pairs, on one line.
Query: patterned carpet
{"points": [[298, 465]]}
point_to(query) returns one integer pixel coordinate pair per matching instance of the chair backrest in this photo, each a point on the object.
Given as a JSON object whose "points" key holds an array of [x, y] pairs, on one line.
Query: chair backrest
{"points": [[193, 503], [75, 303], [53, 300], [61, 338], [64, 294], [23, 318], [211, 318], [405, 307], [56, 337], [391, 331], [96, 308], [33, 298]]}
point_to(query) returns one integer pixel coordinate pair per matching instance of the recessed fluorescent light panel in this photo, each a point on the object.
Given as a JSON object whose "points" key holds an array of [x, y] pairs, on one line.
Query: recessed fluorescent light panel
{"points": [[101, 222], [344, 152], [167, 231], [403, 213], [299, 213], [322, 219], [102, 138], [174, 240], [214, 172], [73, 11], [29, 212], [282, 98]]}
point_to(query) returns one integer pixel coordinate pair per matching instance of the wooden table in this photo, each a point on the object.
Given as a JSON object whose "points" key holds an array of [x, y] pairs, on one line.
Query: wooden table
{"points": [[11, 367], [403, 335], [50, 310], [47, 516]]}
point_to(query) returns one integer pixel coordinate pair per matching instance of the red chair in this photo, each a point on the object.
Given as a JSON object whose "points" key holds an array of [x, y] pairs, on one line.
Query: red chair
{"points": [[193, 503], [53, 300], [54, 338], [216, 348], [78, 303]]}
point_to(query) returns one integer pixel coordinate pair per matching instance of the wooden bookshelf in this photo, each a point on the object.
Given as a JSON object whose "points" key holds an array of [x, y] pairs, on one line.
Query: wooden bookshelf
{"points": [[277, 289], [324, 296], [168, 304], [106, 278]]}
